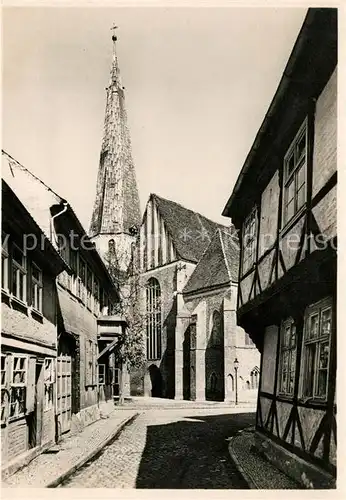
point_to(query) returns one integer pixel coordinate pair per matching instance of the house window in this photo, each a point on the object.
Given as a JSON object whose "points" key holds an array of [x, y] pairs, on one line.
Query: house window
{"points": [[295, 175], [96, 296], [4, 262], [48, 383], [18, 386], [288, 352], [89, 287], [249, 240], [4, 393], [81, 280], [36, 287], [18, 273], [316, 350], [101, 374], [153, 300]]}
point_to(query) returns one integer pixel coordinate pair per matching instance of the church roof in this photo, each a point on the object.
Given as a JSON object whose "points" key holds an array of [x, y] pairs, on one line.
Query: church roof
{"points": [[190, 231], [218, 265]]}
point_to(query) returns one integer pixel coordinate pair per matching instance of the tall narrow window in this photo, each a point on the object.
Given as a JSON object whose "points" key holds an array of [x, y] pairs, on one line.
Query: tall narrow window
{"points": [[96, 296], [4, 262], [81, 292], [4, 393], [89, 286], [18, 386], [36, 287], [249, 240], [48, 383], [18, 273], [288, 352], [295, 175], [316, 350], [153, 298], [254, 375], [152, 237]]}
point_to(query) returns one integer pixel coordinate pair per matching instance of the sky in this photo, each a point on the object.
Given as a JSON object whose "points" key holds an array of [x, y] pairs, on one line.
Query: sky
{"points": [[198, 84]]}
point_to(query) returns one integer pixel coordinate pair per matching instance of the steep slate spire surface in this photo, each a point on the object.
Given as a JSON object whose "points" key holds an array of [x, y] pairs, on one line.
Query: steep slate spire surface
{"points": [[117, 206]]}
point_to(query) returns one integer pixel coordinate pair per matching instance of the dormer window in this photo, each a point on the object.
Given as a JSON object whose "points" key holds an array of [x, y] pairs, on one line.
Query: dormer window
{"points": [[295, 175]]}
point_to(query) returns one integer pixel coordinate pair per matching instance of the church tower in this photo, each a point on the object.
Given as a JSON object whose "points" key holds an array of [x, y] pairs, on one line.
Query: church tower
{"points": [[116, 214]]}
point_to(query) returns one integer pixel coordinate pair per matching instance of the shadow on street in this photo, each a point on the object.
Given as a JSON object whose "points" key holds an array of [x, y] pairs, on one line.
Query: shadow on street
{"points": [[192, 453]]}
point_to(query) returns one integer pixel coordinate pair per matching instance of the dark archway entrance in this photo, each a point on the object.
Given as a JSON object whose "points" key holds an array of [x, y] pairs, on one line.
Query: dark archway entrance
{"points": [[156, 381]]}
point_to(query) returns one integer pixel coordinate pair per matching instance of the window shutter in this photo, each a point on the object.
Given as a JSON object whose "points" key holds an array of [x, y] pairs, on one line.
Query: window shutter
{"points": [[31, 386]]}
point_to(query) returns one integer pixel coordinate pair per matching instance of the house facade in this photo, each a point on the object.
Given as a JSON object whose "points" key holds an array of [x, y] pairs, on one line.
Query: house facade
{"points": [[84, 300], [188, 291], [284, 206], [28, 334]]}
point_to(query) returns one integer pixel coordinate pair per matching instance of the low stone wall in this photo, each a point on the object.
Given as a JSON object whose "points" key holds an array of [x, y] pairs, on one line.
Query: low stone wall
{"points": [[307, 474]]}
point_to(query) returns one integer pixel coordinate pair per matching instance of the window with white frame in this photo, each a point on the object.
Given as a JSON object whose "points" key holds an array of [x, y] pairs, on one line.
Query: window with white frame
{"points": [[19, 273], [316, 350], [48, 383], [295, 175], [18, 382], [288, 354], [249, 240], [36, 287], [101, 374], [4, 262], [4, 393]]}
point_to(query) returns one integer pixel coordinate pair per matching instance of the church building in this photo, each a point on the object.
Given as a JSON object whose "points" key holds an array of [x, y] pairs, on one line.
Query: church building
{"points": [[188, 272]]}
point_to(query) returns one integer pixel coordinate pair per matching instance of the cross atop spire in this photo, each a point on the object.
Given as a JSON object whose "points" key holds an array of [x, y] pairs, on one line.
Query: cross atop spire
{"points": [[115, 74], [114, 38]]}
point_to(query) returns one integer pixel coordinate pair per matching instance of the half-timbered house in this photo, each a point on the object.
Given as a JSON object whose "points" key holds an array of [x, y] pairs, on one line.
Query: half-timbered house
{"points": [[88, 329], [30, 264], [284, 206]]}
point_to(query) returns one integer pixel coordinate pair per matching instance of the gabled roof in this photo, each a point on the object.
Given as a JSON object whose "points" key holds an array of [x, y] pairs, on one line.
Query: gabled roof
{"points": [[36, 196], [14, 211], [190, 231], [41, 201], [218, 265]]}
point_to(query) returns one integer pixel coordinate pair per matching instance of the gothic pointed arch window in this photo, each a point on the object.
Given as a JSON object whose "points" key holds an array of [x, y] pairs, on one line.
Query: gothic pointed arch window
{"points": [[254, 377], [153, 310]]}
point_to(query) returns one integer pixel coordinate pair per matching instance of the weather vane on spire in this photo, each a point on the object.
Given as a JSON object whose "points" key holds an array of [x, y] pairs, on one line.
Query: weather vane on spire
{"points": [[113, 28]]}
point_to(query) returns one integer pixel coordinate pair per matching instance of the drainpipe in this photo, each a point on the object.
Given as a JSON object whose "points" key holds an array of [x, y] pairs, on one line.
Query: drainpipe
{"points": [[54, 216]]}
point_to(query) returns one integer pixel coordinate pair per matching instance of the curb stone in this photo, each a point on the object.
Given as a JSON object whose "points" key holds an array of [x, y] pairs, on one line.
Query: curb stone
{"points": [[89, 456], [251, 484]]}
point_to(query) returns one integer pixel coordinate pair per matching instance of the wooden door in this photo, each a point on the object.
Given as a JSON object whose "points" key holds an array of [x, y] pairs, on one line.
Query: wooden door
{"points": [[64, 392]]}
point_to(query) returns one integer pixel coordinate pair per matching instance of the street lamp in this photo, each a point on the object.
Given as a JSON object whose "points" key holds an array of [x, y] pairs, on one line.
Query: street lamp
{"points": [[236, 366]]}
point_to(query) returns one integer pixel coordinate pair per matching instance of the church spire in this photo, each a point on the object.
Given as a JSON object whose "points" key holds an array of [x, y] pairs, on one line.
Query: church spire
{"points": [[116, 209]]}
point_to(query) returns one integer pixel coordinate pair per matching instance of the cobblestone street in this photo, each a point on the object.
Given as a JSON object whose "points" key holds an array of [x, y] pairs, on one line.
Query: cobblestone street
{"points": [[168, 449]]}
